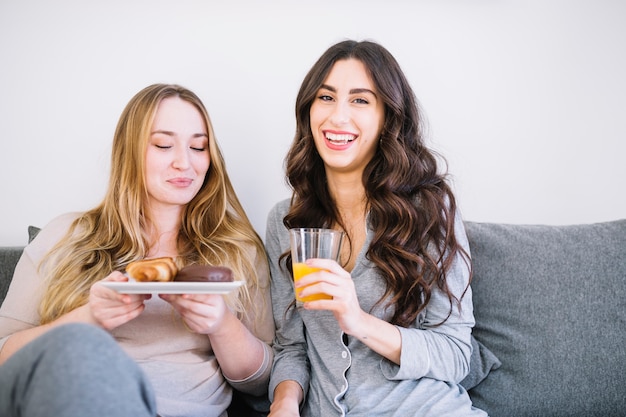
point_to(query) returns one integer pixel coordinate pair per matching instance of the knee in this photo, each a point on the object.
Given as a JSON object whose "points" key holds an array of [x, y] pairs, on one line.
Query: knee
{"points": [[77, 361], [76, 337], [81, 345], [88, 359]]}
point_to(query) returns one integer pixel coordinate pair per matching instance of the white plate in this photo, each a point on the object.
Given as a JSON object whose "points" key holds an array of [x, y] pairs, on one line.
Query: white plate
{"points": [[173, 287]]}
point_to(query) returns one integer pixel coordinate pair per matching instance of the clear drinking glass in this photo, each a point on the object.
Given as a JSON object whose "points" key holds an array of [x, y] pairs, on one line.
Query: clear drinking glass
{"points": [[308, 243]]}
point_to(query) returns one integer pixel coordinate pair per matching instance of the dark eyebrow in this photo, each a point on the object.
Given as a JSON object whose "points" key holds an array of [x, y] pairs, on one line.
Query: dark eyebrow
{"points": [[353, 91]]}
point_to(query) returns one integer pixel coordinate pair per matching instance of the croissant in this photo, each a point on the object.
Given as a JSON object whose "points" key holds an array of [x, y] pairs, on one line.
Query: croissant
{"points": [[156, 269]]}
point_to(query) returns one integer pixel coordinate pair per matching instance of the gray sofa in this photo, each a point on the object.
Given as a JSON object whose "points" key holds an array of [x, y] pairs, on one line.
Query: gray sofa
{"points": [[550, 308]]}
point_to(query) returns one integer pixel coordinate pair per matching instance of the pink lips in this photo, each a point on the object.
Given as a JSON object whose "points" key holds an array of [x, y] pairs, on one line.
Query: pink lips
{"points": [[335, 144], [180, 182], [336, 147]]}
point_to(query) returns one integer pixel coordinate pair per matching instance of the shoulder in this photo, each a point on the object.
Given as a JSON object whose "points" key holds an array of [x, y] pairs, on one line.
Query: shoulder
{"points": [[278, 212], [50, 234], [276, 232], [57, 227], [280, 209], [63, 220]]}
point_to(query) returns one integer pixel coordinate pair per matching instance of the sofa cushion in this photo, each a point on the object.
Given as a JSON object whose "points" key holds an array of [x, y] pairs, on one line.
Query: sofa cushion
{"points": [[9, 255], [550, 303], [482, 362]]}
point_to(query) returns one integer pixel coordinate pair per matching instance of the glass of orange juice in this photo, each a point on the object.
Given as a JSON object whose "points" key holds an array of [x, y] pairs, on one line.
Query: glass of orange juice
{"points": [[308, 243]]}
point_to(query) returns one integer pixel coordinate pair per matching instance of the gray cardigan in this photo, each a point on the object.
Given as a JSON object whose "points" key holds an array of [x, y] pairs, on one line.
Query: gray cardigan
{"points": [[341, 376]]}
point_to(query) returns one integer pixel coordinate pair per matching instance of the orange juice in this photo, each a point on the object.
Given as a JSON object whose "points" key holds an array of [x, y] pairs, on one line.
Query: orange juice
{"points": [[300, 270]]}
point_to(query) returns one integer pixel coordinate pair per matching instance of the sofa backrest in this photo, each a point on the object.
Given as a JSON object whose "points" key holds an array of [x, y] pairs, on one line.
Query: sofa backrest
{"points": [[9, 255], [550, 303]]}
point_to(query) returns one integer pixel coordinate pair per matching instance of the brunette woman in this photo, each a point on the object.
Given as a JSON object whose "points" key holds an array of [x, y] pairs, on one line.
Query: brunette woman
{"points": [[395, 337]]}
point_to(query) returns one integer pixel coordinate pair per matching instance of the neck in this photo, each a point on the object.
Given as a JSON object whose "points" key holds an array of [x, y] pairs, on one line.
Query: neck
{"points": [[348, 193], [163, 232]]}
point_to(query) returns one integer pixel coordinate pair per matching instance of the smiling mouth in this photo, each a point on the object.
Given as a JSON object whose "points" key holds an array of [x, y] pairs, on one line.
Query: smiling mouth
{"points": [[340, 139]]}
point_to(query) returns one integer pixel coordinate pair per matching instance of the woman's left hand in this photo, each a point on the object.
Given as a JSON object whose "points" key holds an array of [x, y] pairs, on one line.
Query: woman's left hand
{"points": [[336, 282], [203, 313]]}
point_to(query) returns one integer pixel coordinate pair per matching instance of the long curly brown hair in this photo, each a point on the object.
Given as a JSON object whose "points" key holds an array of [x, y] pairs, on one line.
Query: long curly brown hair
{"points": [[411, 206]]}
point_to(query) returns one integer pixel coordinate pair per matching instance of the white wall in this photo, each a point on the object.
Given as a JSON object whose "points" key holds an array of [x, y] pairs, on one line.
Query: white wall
{"points": [[525, 98]]}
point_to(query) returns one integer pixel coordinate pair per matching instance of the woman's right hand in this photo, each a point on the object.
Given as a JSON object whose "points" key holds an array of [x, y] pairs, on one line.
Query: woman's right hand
{"points": [[110, 309]]}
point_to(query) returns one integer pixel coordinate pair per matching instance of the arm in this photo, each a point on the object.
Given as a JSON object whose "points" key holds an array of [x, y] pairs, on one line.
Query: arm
{"points": [[244, 359], [19, 317], [257, 323], [287, 398], [242, 356], [105, 308], [291, 362], [440, 351], [241, 345], [16, 341], [426, 348], [377, 334]]}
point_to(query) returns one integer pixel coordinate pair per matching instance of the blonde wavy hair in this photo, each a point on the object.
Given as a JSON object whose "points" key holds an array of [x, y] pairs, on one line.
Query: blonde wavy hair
{"points": [[215, 230]]}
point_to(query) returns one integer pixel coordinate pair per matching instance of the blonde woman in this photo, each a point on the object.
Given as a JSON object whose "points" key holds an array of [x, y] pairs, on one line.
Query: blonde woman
{"points": [[68, 341]]}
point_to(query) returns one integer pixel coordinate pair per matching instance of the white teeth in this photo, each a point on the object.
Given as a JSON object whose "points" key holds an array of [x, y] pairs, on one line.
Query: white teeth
{"points": [[342, 138]]}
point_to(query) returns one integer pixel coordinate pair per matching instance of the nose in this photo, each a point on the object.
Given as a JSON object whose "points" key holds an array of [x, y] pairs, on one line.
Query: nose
{"points": [[341, 114], [181, 158]]}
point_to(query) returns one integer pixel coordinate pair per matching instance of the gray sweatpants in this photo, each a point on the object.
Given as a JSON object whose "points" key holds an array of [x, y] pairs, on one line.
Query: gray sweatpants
{"points": [[74, 370]]}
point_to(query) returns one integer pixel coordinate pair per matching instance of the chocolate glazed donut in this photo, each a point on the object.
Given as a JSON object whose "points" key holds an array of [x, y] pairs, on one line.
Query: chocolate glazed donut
{"points": [[204, 273]]}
